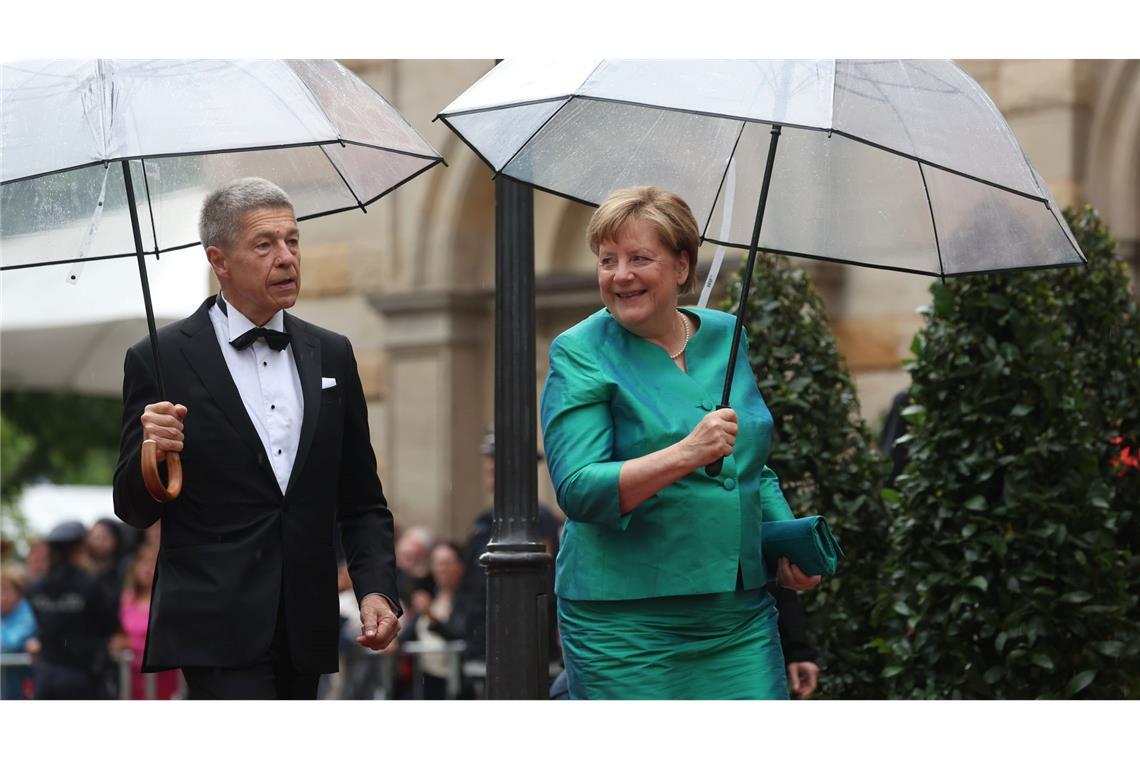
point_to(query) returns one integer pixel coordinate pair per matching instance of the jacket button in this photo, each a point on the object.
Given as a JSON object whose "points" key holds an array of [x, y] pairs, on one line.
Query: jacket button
{"points": [[729, 484]]}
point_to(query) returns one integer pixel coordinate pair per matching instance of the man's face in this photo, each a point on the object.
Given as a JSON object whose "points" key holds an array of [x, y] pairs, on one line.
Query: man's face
{"points": [[260, 273]]}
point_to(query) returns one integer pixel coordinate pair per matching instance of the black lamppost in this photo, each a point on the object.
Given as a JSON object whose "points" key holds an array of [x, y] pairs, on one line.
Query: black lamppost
{"points": [[516, 561]]}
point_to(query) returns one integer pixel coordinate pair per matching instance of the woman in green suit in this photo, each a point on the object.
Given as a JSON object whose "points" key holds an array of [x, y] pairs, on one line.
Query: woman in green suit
{"points": [[660, 578]]}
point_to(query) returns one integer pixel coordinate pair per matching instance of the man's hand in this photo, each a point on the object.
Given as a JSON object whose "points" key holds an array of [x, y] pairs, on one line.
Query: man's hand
{"points": [[162, 423], [378, 622], [803, 678]]}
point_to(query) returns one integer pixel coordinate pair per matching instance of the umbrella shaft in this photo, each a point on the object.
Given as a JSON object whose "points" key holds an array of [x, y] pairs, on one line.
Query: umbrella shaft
{"points": [[143, 278], [747, 282]]}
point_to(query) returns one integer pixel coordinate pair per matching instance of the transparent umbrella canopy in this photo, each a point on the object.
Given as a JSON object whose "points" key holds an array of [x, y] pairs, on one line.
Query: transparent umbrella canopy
{"points": [[184, 127], [894, 164], [112, 158]]}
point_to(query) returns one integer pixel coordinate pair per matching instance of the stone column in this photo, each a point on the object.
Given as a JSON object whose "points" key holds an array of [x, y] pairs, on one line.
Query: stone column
{"points": [[437, 345]]}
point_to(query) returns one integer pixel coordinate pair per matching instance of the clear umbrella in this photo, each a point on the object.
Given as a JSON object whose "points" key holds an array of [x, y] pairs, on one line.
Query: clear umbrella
{"points": [[112, 158], [894, 164]]}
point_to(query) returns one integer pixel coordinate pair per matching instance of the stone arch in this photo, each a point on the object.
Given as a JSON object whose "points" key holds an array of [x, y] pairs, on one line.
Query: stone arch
{"points": [[568, 251], [1114, 152], [457, 225]]}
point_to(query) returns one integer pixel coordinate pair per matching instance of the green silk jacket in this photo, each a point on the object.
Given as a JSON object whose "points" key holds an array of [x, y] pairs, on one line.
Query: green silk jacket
{"points": [[611, 396]]}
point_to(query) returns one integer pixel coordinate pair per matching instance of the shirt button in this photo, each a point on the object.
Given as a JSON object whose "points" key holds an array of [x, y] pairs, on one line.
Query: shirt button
{"points": [[278, 451], [273, 406], [707, 405], [729, 484], [265, 364]]}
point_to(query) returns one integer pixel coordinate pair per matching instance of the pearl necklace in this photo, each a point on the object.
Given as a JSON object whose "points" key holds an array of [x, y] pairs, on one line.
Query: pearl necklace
{"points": [[685, 324]]}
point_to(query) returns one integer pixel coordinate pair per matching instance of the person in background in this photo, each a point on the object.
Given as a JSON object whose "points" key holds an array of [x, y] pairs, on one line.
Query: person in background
{"points": [[413, 561], [17, 627], [37, 561], [474, 589], [104, 545], [439, 617], [799, 654], [134, 616], [74, 621], [895, 426]]}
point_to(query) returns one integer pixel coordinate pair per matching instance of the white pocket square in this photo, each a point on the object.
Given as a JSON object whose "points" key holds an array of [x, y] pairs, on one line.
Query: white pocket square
{"points": [[327, 382]]}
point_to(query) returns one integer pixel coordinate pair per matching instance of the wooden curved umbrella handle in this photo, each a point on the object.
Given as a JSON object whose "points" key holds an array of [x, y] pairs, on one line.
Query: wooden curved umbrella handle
{"points": [[151, 477]]}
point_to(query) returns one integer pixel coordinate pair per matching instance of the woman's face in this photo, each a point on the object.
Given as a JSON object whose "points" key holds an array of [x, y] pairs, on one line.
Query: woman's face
{"points": [[446, 567], [639, 278]]}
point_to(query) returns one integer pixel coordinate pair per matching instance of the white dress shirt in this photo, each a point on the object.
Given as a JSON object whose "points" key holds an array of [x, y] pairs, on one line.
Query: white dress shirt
{"points": [[269, 386]]}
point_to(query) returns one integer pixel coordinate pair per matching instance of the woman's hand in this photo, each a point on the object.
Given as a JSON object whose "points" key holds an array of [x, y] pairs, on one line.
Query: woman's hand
{"points": [[712, 438], [790, 576]]}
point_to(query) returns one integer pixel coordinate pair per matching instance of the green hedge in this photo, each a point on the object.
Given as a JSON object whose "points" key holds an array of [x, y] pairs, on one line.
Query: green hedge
{"points": [[1012, 569], [826, 460]]}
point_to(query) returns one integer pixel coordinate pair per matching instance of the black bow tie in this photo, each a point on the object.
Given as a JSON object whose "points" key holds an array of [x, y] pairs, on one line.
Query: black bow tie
{"points": [[276, 339]]}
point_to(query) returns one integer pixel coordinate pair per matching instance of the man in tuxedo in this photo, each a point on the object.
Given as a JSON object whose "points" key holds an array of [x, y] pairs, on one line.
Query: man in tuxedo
{"points": [[268, 416]]}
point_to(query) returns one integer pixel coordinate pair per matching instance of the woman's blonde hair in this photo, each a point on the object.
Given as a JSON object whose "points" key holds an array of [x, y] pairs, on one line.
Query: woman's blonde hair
{"points": [[667, 212]]}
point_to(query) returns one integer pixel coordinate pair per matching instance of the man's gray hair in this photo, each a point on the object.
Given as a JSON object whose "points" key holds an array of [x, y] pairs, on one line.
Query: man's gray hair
{"points": [[219, 223]]}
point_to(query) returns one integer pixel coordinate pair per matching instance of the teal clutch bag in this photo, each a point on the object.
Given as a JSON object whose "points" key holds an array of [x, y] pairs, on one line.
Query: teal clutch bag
{"points": [[807, 543]]}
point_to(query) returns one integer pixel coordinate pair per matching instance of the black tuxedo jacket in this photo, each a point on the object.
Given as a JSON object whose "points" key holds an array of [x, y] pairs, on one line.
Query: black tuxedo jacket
{"points": [[233, 546]]}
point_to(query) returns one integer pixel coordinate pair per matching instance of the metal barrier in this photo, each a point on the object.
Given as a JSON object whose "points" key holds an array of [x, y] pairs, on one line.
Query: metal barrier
{"points": [[122, 661], [453, 650], [355, 682]]}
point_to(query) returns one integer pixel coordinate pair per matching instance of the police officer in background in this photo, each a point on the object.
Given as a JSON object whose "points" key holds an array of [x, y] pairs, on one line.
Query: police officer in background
{"points": [[75, 618]]}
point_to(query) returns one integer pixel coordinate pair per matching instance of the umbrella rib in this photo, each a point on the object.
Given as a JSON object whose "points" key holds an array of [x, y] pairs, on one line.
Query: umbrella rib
{"points": [[466, 142], [933, 223], [532, 136], [503, 106], [149, 207], [723, 177], [340, 174], [888, 267], [104, 257], [400, 151], [1080, 253], [373, 199], [217, 152], [940, 167]]}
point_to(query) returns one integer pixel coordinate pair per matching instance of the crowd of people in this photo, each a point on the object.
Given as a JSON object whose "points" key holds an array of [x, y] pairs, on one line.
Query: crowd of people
{"points": [[77, 601], [442, 589]]}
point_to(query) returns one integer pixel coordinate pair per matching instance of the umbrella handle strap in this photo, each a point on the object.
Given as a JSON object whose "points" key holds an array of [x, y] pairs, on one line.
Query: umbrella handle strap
{"points": [[153, 480]]}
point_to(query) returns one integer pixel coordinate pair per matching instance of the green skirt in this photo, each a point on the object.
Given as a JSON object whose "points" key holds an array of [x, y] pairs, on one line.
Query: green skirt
{"points": [[705, 646]]}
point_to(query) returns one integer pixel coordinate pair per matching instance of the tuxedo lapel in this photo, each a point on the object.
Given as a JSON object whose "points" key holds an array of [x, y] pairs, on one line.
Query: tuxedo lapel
{"points": [[205, 358], [307, 354]]}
